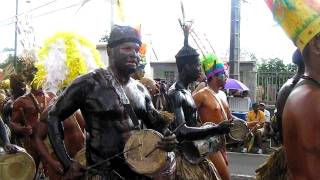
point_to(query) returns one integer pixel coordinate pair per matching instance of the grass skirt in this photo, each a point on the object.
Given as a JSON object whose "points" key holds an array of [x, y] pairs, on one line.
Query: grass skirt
{"points": [[274, 168]]}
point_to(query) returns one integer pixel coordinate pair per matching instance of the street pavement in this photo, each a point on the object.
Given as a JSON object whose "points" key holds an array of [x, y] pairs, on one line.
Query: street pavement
{"points": [[242, 165]]}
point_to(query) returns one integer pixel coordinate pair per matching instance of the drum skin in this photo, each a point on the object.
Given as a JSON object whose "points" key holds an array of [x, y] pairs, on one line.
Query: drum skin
{"points": [[239, 130], [19, 166], [140, 144]]}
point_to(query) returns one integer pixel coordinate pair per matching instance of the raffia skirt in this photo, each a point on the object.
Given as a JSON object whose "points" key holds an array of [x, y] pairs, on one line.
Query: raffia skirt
{"points": [[204, 170], [274, 168]]}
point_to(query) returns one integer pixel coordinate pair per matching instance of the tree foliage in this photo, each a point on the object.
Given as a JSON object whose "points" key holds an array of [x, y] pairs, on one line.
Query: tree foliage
{"points": [[276, 65], [104, 38]]}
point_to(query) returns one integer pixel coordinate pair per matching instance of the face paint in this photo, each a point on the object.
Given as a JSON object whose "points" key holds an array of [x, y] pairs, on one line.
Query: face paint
{"points": [[221, 79], [126, 57], [194, 71]]}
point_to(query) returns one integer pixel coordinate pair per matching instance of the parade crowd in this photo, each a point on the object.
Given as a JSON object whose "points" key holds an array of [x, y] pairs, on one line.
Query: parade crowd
{"points": [[115, 123]]}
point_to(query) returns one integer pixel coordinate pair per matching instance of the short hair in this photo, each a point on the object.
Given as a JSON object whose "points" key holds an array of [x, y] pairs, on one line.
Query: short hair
{"points": [[255, 105]]}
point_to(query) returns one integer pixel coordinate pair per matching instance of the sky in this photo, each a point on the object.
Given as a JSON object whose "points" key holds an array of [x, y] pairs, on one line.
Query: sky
{"points": [[260, 34]]}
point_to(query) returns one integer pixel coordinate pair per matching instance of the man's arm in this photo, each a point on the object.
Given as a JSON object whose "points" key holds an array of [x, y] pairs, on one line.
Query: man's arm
{"points": [[251, 121], [38, 137], [17, 119], [191, 133], [3, 133], [69, 101], [262, 119], [198, 99]]}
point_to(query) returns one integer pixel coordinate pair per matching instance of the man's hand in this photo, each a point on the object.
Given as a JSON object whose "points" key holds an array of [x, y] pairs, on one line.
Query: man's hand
{"points": [[169, 142], [57, 167], [224, 127], [10, 148], [75, 171], [26, 131]]}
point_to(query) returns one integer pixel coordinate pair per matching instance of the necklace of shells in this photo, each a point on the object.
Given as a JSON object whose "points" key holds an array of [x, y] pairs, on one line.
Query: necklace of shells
{"points": [[39, 106]]}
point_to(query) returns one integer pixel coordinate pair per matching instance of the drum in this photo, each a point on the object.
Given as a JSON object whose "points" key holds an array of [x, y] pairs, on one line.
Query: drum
{"points": [[196, 151], [81, 156], [143, 156], [19, 166], [239, 130]]}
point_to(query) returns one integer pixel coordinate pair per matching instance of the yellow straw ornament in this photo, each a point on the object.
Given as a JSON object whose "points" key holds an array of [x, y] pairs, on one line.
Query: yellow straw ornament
{"points": [[64, 57]]}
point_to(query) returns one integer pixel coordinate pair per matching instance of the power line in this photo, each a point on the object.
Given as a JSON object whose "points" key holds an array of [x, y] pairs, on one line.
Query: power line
{"points": [[33, 9], [57, 10], [47, 13]]}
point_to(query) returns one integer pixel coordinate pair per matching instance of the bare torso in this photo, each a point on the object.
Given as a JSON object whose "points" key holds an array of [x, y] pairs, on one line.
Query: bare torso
{"points": [[209, 108], [210, 111], [25, 111], [301, 124]]}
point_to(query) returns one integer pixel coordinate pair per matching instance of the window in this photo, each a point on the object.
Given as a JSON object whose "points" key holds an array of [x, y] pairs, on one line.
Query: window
{"points": [[169, 76]]}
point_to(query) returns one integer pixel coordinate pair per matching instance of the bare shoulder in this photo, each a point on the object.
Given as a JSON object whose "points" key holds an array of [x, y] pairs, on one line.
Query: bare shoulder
{"points": [[304, 100], [302, 112], [201, 97], [21, 100], [202, 93]]}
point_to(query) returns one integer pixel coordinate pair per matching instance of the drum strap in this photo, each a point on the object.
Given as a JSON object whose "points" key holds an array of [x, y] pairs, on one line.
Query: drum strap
{"points": [[111, 79], [220, 104]]}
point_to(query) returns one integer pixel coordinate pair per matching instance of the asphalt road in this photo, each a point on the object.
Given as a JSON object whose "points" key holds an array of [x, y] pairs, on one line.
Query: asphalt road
{"points": [[243, 165]]}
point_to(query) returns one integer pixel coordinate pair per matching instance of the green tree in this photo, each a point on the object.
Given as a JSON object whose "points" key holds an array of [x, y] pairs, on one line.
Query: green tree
{"points": [[276, 65], [292, 67], [104, 37], [6, 62], [272, 65]]}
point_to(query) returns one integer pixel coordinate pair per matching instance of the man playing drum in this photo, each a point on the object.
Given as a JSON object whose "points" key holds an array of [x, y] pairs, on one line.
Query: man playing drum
{"points": [[102, 96], [184, 108], [209, 105]]}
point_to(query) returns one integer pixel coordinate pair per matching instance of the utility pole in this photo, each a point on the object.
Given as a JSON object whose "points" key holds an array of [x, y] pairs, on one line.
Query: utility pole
{"points": [[112, 2], [234, 56], [16, 36]]}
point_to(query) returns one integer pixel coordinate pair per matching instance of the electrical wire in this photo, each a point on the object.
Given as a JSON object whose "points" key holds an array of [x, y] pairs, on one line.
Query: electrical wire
{"points": [[33, 9], [47, 13]]}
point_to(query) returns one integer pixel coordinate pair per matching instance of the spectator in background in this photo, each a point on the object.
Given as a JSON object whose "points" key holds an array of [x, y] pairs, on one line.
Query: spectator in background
{"points": [[255, 122], [268, 131], [262, 107]]}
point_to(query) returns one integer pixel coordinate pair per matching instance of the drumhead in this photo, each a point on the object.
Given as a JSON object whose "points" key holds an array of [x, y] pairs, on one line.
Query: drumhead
{"points": [[19, 166], [239, 130], [140, 144]]}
